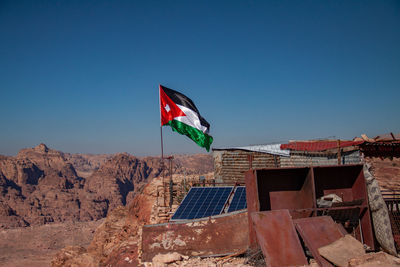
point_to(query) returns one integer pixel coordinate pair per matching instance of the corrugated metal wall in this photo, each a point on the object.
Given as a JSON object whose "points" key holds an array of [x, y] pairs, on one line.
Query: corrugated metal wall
{"points": [[230, 165], [301, 159]]}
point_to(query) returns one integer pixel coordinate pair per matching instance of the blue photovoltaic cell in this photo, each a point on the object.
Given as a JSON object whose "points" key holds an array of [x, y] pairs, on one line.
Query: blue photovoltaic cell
{"points": [[239, 199], [202, 202]]}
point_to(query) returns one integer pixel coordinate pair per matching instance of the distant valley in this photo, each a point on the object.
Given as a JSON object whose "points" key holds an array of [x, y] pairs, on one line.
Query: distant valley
{"points": [[41, 185]]}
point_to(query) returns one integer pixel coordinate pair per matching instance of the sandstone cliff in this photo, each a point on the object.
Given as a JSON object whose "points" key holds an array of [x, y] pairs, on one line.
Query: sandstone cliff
{"points": [[116, 241], [41, 185]]}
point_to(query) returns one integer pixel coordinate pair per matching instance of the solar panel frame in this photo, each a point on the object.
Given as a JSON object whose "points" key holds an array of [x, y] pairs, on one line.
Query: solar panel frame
{"points": [[202, 202], [239, 199]]}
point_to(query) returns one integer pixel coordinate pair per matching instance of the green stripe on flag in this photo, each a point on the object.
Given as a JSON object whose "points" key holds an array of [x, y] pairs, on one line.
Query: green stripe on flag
{"points": [[200, 138]]}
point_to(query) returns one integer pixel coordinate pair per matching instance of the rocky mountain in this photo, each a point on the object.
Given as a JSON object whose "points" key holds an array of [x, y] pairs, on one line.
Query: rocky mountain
{"points": [[41, 185], [86, 164], [193, 164]]}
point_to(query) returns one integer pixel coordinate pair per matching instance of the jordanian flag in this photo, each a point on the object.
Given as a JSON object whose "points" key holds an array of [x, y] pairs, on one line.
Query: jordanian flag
{"points": [[179, 112]]}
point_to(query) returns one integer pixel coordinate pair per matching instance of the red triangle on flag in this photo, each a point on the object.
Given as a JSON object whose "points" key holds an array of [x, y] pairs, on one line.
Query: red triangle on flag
{"points": [[169, 110]]}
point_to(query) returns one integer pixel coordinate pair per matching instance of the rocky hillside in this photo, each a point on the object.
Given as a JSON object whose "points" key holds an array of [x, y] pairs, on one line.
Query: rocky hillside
{"points": [[42, 185], [116, 241], [193, 164], [86, 164]]}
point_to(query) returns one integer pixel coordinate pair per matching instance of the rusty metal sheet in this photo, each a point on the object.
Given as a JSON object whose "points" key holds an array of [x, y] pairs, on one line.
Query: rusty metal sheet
{"points": [[278, 239], [318, 232], [285, 200], [297, 214], [253, 203], [217, 235]]}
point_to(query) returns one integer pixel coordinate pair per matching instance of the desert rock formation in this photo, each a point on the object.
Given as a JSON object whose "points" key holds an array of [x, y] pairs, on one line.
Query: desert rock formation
{"points": [[41, 185], [116, 241]]}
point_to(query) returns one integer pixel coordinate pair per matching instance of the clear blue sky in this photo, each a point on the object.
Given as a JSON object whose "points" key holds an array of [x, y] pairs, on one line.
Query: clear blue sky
{"points": [[82, 76]]}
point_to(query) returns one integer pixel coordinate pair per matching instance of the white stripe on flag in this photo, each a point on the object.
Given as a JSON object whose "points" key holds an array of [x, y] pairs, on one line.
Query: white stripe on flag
{"points": [[191, 119]]}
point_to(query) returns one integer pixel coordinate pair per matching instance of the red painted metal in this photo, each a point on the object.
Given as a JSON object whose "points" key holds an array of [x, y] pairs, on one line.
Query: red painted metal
{"points": [[317, 232], [319, 145], [278, 239]]}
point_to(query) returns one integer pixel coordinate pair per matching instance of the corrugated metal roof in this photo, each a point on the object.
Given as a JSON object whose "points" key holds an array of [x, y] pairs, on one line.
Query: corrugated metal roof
{"points": [[319, 145], [274, 149]]}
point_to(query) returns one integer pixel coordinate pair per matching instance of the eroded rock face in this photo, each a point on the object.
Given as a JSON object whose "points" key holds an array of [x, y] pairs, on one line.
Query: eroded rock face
{"points": [[41, 185], [119, 176], [86, 164], [117, 239]]}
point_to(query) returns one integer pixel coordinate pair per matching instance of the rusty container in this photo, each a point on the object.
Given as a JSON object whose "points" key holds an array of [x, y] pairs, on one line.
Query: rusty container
{"points": [[297, 190]]}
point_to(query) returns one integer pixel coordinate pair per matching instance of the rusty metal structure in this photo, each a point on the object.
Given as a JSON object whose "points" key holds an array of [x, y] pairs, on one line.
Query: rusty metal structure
{"points": [[297, 190], [316, 233], [280, 243], [277, 238], [212, 236]]}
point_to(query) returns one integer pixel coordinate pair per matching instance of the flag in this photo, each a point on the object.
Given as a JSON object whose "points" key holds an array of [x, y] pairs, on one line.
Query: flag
{"points": [[179, 112]]}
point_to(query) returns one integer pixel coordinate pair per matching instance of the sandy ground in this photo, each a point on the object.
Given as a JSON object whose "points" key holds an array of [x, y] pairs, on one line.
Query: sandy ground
{"points": [[36, 246]]}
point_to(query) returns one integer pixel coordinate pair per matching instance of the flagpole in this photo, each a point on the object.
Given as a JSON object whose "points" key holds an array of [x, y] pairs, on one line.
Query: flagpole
{"points": [[159, 105], [162, 149]]}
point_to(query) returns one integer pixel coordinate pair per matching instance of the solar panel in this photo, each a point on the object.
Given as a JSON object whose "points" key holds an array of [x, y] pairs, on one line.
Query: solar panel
{"points": [[239, 199], [202, 202]]}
